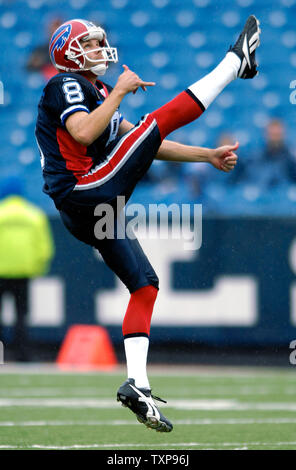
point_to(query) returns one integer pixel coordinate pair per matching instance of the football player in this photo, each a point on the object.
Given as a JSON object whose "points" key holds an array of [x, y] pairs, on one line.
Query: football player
{"points": [[91, 155]]}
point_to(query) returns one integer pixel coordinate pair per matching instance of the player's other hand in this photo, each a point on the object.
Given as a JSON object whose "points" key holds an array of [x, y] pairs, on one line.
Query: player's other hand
{"points": [[223, 158], [129, 81]]}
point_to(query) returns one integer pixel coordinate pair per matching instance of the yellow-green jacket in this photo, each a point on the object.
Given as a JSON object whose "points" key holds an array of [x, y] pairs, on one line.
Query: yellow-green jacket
{"points": [[26, 244]]}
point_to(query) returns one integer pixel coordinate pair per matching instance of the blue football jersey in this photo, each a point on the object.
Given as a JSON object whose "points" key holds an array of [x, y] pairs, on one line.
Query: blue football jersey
{"points": [[63, 159]]}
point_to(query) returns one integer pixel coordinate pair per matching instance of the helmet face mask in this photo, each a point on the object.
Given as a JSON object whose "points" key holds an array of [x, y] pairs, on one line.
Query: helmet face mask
{"points": [[68, 54]]}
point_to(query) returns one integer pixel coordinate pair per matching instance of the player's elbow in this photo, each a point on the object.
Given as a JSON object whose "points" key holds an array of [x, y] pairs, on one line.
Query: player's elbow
{"points": [[83, 138]]}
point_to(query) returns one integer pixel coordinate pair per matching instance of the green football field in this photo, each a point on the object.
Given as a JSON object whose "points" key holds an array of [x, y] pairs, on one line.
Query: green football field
{"points": [[211, 408]]}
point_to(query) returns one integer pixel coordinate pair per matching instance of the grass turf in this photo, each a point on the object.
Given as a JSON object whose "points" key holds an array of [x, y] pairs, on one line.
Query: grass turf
{"points": [[210, 408]]}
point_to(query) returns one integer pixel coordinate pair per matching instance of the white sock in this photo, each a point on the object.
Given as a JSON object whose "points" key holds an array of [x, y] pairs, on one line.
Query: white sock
{"points": [[209, 87], [136, 351]]}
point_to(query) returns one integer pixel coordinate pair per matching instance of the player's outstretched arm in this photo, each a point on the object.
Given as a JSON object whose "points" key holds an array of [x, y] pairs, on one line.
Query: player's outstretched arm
{"points": [[223, 158]]}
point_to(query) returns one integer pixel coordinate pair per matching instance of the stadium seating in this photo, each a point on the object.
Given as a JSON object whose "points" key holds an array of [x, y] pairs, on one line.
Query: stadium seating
{"points": [[173, 43]]}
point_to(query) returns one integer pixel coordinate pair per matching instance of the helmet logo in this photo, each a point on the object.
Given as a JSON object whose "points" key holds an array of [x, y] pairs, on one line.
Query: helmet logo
{"points": [[59, 39]]}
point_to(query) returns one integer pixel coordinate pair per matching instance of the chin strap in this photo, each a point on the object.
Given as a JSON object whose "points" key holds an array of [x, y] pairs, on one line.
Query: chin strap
{"points": [[99, 69]]}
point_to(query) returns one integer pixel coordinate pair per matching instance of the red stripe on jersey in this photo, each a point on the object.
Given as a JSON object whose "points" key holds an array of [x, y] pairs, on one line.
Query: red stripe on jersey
{"points": [[74, 153], [118, 154]]}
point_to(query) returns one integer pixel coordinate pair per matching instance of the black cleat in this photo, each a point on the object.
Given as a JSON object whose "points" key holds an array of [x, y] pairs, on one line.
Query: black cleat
{"points": [[140, 401], [245, 48]]}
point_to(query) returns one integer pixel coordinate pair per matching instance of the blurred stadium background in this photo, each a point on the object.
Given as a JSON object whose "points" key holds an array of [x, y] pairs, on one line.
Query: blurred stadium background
{"points": [[238, 292]]}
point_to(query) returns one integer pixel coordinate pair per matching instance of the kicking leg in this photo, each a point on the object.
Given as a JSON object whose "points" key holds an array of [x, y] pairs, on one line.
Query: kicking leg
{"points": [[190, 104]]}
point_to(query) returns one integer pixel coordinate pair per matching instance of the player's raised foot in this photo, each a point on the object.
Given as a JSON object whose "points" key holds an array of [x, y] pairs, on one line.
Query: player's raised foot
{"points": [[141, 402], [245, 48]]}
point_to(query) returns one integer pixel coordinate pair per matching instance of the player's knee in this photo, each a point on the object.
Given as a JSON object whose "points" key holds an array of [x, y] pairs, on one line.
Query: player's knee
{"points": [[155, 282], [145, 297], [146, 276], [143, 280], [152, 279]]}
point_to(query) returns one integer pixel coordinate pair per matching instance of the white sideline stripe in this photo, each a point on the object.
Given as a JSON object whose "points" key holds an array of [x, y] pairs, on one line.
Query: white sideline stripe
{"points": [[184, 422], [175, 404], [238, 445]]}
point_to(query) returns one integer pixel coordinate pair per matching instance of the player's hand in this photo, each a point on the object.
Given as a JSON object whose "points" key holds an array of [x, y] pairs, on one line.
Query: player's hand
{"points": [[129, 81], [223, 158]]}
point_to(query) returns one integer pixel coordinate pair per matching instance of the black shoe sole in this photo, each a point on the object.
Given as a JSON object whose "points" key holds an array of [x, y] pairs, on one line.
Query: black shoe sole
{"points": [[151, 422]]}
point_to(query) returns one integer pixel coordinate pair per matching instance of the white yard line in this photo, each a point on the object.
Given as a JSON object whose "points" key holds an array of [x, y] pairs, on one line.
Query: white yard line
{"points": [[203, 372], [98, 403], [212, 445], [184, 422]]}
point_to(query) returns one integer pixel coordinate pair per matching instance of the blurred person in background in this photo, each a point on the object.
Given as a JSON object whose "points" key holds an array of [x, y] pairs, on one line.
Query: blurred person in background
{"points": [[39, 60], [274, 164], [281, 162], [26, 249]]}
